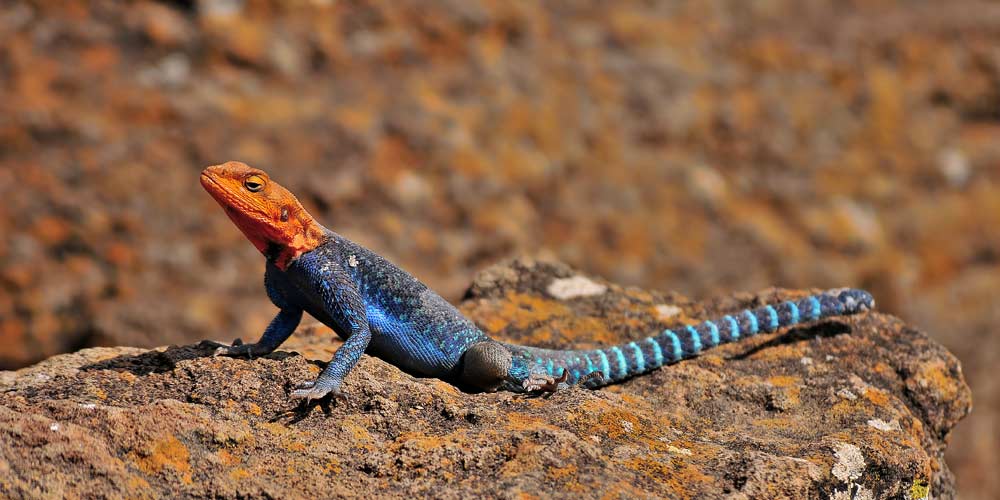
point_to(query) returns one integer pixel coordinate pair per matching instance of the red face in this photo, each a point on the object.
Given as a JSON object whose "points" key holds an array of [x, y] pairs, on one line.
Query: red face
{"points": [[267, 213]]}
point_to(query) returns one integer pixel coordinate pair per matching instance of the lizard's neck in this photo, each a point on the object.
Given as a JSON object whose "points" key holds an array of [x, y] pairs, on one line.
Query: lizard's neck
{"points": [[289, 250], [282, 239]]}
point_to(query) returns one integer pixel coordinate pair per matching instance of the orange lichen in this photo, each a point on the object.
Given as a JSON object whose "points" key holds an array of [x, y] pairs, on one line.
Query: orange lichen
{"points": [[678, 476], [239, 474], [275, 428], [524, 422], [520, 310], [295, 446], [254, 409], [526, 459], [228, 458], [876, 396], [596, 329], [99, 393], [884, 369], [600, 417], [167, 452], [784, 380], [649, 467], [333, 467], [358, 432], [418, 441], [713, 360], [781, 351], [776, 423], [561, 473], [136, 488]]}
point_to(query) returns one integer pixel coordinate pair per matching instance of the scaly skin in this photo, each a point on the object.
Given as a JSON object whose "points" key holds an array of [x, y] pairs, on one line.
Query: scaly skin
{"points": [[378, 308]]}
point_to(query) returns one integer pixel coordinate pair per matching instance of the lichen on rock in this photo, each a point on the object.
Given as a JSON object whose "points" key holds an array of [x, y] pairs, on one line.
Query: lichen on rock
{"points": [[749, 420]]}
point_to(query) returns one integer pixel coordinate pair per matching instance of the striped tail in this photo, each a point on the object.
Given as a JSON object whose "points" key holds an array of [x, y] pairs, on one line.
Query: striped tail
{"points": [[623, 361]]}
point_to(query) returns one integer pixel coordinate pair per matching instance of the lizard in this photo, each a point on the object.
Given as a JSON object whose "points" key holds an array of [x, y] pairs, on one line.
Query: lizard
{"points": [[380, 309]]}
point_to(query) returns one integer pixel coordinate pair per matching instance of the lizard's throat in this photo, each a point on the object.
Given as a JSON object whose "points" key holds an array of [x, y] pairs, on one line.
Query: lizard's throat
{"points": [[283, 254], [280, 244]]}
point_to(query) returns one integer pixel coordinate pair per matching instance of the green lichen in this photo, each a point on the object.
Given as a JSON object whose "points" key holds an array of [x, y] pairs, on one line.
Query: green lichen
{"points": [[919, 490]]}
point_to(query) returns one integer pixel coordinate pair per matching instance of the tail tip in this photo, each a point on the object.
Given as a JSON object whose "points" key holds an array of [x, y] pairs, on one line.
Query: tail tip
{"points": [[855, 300]]}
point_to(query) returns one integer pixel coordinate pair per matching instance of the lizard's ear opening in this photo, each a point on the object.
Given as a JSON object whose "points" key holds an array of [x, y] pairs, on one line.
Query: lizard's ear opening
{"points": [[284, 214]]}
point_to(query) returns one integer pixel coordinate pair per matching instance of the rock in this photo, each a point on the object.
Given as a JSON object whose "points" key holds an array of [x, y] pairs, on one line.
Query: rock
{"points": [[747, 420]]}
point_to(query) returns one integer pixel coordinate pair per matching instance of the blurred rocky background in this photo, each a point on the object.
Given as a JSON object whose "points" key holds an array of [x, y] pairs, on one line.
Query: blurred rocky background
{"points": [[699, 146]]}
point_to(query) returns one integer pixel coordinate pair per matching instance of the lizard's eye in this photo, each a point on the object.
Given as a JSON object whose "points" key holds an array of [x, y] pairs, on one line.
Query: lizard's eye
{"points": [[254, 183]]}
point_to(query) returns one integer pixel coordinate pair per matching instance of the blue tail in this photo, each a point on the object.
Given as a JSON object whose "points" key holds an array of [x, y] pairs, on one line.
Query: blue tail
{"points": [[623, 361]]}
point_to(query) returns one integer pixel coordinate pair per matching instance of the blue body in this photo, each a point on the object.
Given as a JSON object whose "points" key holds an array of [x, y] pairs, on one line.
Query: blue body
{"points": [[381, 309]]}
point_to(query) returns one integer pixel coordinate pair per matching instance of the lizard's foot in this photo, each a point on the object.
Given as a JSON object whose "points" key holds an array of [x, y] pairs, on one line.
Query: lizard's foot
{"points": [[543, 383], [310, 391], [240, 350]]}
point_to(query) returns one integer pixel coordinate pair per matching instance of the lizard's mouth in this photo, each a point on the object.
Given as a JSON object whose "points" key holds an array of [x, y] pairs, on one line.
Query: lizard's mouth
{"points": [[220, 192], [210, 184]]}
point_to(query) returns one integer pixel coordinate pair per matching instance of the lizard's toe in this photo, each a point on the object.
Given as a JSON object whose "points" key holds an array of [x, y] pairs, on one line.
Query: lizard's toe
{"points": [[313, 393], [309, 391], [543, 383], [240, 350], [231, 349], [309, 394]]}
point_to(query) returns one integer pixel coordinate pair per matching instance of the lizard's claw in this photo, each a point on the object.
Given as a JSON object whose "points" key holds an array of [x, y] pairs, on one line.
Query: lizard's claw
{"points": [[544, 383], [309, 391], [226, 350]]}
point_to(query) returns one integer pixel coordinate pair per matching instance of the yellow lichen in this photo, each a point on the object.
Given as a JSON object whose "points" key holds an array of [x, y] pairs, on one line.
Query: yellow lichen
{"points": [[919, 490], [333, 467], [937, 376]]}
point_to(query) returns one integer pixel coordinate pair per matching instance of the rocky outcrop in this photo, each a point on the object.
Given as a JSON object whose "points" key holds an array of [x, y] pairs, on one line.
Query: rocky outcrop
{"points": [[854, 407]]}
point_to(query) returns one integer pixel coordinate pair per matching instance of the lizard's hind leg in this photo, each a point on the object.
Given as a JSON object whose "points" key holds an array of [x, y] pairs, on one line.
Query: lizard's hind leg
{"points": [[486, 365]]}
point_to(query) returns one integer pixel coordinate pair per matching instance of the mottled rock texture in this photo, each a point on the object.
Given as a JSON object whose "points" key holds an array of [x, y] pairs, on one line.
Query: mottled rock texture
{"points": [[854, 406], [704, 145]]}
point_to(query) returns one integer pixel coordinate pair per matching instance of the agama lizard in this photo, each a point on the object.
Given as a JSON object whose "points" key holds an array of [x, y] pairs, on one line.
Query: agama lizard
{"points": [[378, 308]]}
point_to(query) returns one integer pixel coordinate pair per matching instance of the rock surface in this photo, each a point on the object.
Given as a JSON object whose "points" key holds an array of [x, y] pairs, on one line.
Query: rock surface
{"points": [[714, 145], [853, 406]]}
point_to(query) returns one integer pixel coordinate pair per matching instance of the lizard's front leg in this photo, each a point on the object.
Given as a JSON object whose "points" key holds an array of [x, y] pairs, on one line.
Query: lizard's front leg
{"points": [[346, 307], [333, 375], [280, 328]]}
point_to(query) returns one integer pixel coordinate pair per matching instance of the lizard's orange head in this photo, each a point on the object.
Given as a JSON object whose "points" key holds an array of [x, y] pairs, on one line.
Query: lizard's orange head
{"points": [[267, 213]]}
